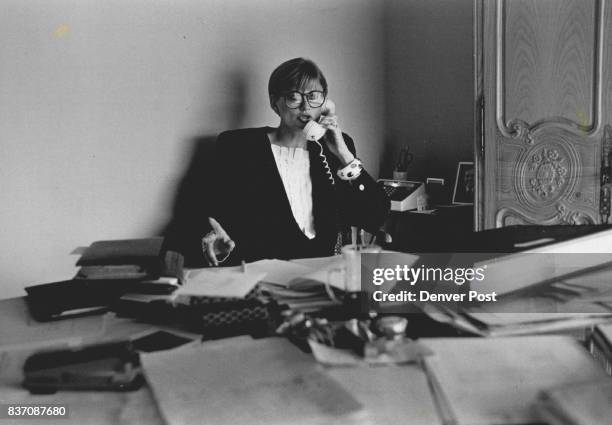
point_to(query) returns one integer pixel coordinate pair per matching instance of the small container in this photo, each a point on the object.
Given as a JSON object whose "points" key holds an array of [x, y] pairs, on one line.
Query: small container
{"points": [[392, 327], [400, 175], [422, 202]]}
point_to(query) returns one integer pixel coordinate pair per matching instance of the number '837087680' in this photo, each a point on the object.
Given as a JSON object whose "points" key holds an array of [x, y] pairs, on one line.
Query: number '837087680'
{"points": [[33, 411]]}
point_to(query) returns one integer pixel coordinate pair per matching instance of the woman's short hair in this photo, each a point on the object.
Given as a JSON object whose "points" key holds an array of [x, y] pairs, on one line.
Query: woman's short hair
{"points": [[294, 74]]}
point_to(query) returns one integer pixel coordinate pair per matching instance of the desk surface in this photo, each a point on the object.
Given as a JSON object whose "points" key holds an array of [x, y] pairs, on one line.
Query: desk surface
{"points": [[85, 407], [384, 392]]}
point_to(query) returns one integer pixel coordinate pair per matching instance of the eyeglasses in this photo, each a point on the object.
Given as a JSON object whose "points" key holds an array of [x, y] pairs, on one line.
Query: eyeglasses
{"points": [[294, 99]]}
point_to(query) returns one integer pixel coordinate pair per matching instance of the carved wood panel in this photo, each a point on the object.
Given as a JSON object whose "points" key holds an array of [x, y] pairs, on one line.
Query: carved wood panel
{"points": [[544, 78], [547, 70]]}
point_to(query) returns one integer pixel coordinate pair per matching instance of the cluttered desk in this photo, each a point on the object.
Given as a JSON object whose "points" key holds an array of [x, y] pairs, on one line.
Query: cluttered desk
{"points": [[284, 342]]}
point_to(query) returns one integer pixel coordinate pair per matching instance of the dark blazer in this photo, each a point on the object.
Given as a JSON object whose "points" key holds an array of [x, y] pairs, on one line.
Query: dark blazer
{"points": [[244, 192]]}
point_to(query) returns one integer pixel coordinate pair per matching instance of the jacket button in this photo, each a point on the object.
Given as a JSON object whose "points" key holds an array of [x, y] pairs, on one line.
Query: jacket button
{"points": [[361, 187]]}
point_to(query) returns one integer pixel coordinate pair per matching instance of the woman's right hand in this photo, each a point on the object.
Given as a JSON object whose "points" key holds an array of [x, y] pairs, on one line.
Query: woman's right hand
{"points": [[216, 245]]}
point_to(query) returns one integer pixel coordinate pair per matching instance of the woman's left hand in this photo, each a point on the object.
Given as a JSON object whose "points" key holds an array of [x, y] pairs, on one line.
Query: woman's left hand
{"points": [[336, 143]]}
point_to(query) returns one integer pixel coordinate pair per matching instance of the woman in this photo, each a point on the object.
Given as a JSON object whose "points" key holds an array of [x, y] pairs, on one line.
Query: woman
{"points": [[277, 195]]}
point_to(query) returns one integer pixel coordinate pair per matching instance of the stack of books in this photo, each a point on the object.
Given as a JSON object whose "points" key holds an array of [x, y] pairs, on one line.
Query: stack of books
{"points": [[129, 259], [140, 263], [107, 271]]}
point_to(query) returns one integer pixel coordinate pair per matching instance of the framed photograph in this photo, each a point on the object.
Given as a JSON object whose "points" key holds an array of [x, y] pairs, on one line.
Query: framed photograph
{"points": [[463, 193]]}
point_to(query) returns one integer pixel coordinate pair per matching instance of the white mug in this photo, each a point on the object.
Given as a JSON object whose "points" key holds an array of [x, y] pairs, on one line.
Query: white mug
{"points": [[349, 275]]}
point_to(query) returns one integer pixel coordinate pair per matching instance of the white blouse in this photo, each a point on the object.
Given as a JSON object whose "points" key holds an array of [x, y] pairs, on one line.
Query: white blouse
{"points": [[294, 168]]}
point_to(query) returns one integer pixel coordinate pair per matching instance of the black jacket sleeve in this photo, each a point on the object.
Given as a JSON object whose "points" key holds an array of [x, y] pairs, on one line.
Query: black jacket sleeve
{"points": [[193, 205], [362, 202]]}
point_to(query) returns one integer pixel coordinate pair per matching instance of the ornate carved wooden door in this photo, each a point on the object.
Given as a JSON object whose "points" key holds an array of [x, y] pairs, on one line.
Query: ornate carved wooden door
{"points": [[544, 95]]}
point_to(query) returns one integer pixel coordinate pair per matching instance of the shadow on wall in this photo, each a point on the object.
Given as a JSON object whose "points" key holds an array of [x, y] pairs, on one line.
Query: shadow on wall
{"points": [[189, 202], [428, 80]]}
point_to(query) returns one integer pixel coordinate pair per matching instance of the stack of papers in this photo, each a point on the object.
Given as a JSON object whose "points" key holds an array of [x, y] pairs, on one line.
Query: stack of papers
{"points": [[520, 270], [301, 285], [558, 287], [568, 304], [476, 321]]}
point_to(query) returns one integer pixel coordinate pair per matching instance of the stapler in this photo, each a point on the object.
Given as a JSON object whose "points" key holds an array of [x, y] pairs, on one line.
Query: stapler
{"points": [[107, 367]]}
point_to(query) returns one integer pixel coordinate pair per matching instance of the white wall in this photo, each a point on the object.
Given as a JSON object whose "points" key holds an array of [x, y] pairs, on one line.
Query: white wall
{"points": [[100, 102]]}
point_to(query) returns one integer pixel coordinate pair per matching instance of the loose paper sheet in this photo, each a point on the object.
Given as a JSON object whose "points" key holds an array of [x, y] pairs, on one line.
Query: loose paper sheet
{"points": [[241, 380], [390, 394], [220, 283], [586, 404], [279, 272], [491, 381], [330, 272]]}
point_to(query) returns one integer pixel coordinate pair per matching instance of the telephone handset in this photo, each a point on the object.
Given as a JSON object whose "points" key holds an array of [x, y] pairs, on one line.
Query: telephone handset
{"points": [[315, 131]]}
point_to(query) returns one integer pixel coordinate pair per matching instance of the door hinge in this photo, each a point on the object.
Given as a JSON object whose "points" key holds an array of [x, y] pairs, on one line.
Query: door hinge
{"points": [[482, 127], [605, 188]]}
